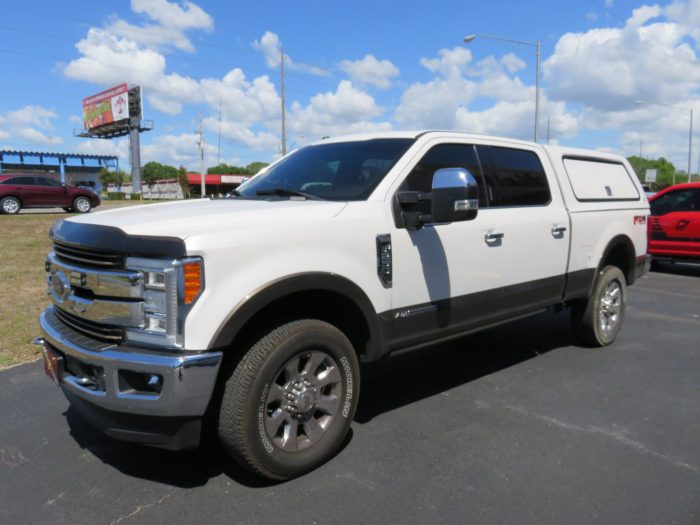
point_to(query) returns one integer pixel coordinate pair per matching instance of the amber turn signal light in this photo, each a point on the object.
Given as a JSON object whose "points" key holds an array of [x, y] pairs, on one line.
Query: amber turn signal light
{"points": [[193, 281]]}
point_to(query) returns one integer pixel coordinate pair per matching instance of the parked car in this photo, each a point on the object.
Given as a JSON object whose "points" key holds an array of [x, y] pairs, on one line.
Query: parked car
{"points": [[674, 225], [19, 191]]}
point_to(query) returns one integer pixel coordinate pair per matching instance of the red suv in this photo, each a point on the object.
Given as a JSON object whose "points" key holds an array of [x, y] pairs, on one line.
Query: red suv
{"points": [[674, 225], [34, 191]]}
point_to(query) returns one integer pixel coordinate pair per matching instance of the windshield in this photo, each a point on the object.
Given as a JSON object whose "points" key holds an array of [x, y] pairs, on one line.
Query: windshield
{"points": [[342, 171]]}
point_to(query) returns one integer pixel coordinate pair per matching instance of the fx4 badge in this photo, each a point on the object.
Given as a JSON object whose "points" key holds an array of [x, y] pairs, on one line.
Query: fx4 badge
{"points": [[639, 219]]}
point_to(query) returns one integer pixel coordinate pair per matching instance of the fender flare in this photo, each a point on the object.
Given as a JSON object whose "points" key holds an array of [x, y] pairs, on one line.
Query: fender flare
{"points": [[312, 281], [620, 240]]}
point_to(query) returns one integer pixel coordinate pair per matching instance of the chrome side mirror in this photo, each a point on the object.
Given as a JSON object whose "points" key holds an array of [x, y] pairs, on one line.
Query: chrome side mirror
{"points": [[455, 195]]}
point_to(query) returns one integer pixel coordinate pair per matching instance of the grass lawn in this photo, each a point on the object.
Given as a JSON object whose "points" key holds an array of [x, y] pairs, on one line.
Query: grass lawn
{"points": [[24, 243]]}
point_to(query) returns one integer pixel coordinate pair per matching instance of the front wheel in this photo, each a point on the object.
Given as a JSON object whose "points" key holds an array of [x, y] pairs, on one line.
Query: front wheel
{"points": [[82, 205], [288, 404], [599, 319]]}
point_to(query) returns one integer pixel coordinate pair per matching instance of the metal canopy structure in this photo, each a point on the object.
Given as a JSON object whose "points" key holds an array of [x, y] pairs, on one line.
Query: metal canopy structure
{"points": [[51, 162]]}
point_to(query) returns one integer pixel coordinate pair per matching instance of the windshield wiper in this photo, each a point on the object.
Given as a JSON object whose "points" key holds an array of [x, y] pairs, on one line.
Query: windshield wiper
{"points": [[285, 192]]}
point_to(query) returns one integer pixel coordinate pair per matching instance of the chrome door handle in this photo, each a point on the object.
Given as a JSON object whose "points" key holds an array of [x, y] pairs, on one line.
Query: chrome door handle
{"points": [[493, 235], [558, 229]]}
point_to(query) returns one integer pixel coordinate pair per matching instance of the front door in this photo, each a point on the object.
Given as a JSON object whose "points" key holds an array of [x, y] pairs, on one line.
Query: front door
{"points": [[675, 224], [51, 192]]}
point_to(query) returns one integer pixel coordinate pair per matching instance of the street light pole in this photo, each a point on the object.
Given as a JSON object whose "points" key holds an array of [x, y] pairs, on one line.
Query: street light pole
{"points": [[537, 45], [690, 132], [537, 96], [690, 142]]}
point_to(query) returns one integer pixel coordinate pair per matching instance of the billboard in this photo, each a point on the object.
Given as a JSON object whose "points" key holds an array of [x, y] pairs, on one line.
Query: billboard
{"points": [[109, 107]]}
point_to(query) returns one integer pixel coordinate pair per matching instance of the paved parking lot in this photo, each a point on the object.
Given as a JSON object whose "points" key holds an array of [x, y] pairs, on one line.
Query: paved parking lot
{"points": [[515, 425]]}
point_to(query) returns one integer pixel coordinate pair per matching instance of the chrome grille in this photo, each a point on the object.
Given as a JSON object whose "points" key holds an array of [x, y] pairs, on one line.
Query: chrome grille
{"points": [[101, 332], [87, 257]]}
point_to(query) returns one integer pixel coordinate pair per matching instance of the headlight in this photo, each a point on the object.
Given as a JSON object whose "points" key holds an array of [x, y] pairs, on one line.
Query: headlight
{"points": [[170, 289]]}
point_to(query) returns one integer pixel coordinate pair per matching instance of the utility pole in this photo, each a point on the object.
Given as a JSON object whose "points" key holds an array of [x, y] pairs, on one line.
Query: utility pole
{"points": [[284, 128], [201, 145], [218, 148]]}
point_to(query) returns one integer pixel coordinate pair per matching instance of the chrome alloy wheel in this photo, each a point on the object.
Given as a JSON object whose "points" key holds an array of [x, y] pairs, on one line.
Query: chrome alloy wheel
{"points": [[10, 206], [610, 306], [82, 204], [303, 401]]}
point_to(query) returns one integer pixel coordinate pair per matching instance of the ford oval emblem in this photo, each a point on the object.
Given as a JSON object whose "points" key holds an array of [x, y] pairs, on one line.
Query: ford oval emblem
{"points": [[61, 286]]}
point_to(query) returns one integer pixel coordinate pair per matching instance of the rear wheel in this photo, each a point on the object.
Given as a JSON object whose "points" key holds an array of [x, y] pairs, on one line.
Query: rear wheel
{"points": [[599, 319], [288, 404], [10, 205], [82, 205]]}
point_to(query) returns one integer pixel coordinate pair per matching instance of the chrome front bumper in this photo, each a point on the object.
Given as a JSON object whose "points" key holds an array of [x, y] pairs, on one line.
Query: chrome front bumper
{"points": [[186, 379]]}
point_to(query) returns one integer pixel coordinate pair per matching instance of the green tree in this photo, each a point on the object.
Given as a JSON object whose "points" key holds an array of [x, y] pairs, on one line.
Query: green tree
{"points": [[255, 167], [226, 169], [151, 172], [664, 170], [116, 177], [182, 180]]}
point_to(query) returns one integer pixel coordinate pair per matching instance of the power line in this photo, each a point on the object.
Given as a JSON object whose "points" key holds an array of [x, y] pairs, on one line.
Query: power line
{"points": [[138, 30]]}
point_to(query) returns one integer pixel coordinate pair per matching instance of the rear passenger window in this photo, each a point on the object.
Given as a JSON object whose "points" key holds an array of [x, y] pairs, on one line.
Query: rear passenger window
{"points": [[514, 177], [21, 181], [438, 157]]}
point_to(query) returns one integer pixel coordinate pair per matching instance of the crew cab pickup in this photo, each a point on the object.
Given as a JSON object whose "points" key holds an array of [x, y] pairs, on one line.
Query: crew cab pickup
{"points": [[253, 312]]}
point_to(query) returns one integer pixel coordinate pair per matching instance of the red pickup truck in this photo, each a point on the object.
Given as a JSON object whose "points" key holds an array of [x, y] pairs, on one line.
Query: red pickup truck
{"points": [[674, 225]]}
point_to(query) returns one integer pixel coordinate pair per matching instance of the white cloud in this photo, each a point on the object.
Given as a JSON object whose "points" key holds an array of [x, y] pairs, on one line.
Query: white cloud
{"points": [[116, 147], [347, 110], [271, 48], [34, 136], [451, 62], [609, 68], [369, 70], [30, 124], [434, 104], [172, 21], [512, 63], [31, 115], [185, 15], [151, 35]]}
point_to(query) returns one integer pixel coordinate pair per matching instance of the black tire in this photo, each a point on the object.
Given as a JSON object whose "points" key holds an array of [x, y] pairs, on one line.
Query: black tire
{"points": [[598, 320], [81, 205], [10, 205], [292, 374]]}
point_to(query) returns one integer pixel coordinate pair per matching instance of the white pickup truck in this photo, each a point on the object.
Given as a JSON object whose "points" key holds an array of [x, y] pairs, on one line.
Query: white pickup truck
{"points": [[254, 312]]}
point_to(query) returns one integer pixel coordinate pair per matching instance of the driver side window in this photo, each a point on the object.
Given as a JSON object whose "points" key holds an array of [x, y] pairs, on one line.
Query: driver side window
{"points": [[681, 200], [438, 157]]}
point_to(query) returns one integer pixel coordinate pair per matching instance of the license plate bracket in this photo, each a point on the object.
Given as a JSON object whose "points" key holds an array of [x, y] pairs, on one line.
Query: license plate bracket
{"points": [[53, 365]]}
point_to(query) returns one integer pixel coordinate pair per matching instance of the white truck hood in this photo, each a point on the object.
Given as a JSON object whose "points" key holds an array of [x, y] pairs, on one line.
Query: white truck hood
{"points": [[183, 219]]}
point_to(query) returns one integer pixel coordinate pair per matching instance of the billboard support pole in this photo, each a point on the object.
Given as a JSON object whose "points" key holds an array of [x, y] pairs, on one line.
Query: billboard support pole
{"points": [[135, 156]]}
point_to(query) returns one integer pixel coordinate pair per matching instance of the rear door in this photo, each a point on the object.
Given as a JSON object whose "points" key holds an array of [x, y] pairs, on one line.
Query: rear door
{"points": [[25, 188], [528, 214], [675, 223]]}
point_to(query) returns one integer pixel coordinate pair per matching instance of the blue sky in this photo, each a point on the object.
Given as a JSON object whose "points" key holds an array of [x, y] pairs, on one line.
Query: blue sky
{"points": [[352, 66]]}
